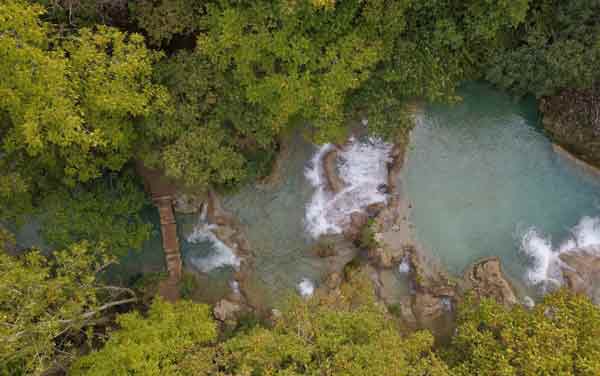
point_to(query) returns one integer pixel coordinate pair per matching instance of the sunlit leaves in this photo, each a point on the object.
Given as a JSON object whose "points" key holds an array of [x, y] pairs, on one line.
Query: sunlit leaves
{"points": [[151, 345]]}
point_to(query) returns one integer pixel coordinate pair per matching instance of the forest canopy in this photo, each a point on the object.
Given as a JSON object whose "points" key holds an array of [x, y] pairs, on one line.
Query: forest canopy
{"points": [[206, 92]]}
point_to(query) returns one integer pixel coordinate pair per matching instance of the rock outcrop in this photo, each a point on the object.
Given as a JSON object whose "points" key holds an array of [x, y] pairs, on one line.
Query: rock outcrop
{"points": [[486, 279], [572, 119], [335, 184], [581, 271], [358, 220], [227, 312]]}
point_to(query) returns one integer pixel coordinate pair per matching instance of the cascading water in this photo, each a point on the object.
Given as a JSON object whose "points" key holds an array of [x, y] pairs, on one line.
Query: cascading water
{"points": [[218, 255], [306, 287], [545, 259], [480, 173], [363, 168]]}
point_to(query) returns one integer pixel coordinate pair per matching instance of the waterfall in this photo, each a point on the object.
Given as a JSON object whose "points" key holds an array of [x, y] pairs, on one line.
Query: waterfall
{"points": [[221, 255], [306, 288], [362, 166], [546, 263]]}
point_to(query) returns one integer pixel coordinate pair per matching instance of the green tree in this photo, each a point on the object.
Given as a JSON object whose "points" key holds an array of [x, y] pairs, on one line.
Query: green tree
{"points": [[557, 47], [560, 336], [45, 302], [165, 18], [105, 213], [70, 108], [349, 337], [151, 345]]}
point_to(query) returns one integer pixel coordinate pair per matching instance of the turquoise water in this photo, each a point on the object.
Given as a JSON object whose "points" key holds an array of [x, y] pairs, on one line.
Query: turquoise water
{"points": [[273, 218], [481, 173], [212, 284]]}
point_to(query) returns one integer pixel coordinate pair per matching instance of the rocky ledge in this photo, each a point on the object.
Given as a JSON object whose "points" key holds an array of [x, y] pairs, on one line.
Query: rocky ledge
{"points": [[486, 279], [572, 119], [581, 271]]}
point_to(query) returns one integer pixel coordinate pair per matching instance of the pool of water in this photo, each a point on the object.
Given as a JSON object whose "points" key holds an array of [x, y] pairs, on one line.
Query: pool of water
{"points": [[481, 175], [273, 219]]}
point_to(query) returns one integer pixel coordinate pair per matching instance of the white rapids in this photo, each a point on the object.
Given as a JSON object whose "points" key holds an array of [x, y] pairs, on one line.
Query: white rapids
{"points": [[221, 255], [546, 263], [362, 166]]}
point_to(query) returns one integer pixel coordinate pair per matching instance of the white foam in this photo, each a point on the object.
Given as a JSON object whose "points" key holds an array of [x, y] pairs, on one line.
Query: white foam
{"points": [[546, 263], [306, 287], [235, 286], [221, 254], [404, 266], [528, 302], [363, 167]]}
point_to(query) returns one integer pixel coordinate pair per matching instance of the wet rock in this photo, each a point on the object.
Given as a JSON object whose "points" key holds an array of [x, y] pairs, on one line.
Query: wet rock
{"points": [[486, 279], [572, 119], [227, 311], [189, 203], [374, 209], [406, 313], [397, 162], [334, 182], [325, 248], [382, 257], [581, 271], [215, 212], [428, 308], [383, 188], [358, 220], [334, 280]]}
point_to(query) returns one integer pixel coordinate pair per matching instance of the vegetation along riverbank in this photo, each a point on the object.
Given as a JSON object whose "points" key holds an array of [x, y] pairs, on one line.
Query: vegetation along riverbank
{"points": [[278, 132]]}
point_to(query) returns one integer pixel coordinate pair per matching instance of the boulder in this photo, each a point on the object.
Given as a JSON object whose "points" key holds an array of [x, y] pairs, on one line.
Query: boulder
{"points": [[334, 182], [374, 209], [382, 257], [486, 279], [581, 271], [227, 311], [358, 220], [334, 280], [428, 308]]}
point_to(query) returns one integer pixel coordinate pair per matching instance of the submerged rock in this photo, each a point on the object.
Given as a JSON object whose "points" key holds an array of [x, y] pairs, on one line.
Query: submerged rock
{"points": [[486, 279]]}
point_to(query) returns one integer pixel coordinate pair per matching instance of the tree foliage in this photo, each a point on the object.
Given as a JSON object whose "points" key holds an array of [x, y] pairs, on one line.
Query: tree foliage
{"points": [[46, 301], [352, 336], [560, 336], [557, 47], [164, 19], [73, 215], [151, 345], [70, 108]]}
